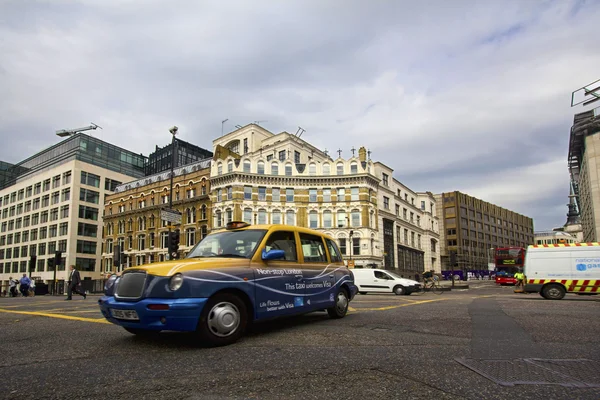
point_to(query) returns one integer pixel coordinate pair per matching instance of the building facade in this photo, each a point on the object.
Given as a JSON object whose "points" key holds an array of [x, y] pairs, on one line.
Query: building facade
{"points": [[56, 206], [132, 215], [473, 228], [408, 226], [266, 178], [554, 237], [584, 162], [185, 153]]}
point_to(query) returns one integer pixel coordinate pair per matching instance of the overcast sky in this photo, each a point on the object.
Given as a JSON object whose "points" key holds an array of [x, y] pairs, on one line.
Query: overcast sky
{"points": [[454, 95]]}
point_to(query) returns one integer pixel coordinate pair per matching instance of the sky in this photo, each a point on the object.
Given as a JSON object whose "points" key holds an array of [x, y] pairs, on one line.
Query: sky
{"points": [[461, 95]]}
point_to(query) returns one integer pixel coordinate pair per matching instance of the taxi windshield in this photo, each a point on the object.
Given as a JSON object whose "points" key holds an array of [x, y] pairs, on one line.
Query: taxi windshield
{"points": [[240, 244]]}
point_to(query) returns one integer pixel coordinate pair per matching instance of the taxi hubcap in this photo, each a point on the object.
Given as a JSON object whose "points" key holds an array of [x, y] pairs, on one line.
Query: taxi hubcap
{"points": [[342, 302], [223, 319]]}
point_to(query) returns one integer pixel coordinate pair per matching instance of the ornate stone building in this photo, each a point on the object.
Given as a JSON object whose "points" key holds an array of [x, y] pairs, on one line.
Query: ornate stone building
{"points": [[132, 215], [266, 178]]}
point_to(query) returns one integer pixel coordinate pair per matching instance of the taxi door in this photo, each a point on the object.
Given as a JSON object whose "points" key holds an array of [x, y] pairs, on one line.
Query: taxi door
{"points": [[319, 276], [279, 283]]}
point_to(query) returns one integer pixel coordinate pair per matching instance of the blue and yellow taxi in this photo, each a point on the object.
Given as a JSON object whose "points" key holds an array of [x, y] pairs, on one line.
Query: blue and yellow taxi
{"points": [[231, 278]]}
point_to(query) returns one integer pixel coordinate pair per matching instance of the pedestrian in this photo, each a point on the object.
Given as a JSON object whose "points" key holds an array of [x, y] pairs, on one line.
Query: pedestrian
{"points": [[73, 284], [519, 277], [25, 282], [32, 288], [12, 287]]}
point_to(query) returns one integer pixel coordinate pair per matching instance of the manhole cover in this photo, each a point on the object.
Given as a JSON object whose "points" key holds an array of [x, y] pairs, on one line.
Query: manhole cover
{"points": [[537, 371]]}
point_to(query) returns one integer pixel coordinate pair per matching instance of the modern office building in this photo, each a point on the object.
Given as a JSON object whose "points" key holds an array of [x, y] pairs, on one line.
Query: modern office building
{"points": [[186, 153], [266, 178], [584, 162], [53, 200], [473, 228], [132, 215]]}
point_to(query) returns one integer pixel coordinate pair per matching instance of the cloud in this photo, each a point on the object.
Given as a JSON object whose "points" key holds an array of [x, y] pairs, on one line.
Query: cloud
{"points": [[460, 95]]}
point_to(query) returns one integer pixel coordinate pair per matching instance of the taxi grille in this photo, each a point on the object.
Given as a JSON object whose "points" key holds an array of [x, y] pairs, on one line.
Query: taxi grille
{"points": [[131, 285]]}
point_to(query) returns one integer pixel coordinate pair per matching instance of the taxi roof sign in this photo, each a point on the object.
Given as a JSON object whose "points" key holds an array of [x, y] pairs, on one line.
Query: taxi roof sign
{"points": [[236, 225]]}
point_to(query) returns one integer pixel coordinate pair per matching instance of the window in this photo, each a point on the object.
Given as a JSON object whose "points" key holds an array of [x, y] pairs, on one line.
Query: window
{"points": [[385, 179], [247, 166], [43, 217], [296, 157], [46, 186], [218, 219], [326, 169], [37, 188], [66, 194], [327, 219], [274, 168], [45, 201], [326, 195], [85, 264], [260, 168], [341, 194], [54, 214], [340, 169], [219, 192], [84, 229], [190, 193], [313, 219], [354, 168], [247, 215], [356, 246], [275, 194], [230, 166], [28, 193], [86, 247], [288, 170], [245, 145], [63, 229], [247, 192], [86, 212], [90, 179], [313, 248], [342, 242], [312, 195], [354, 194], [203, 212], [111, 184], [66, 177], [141, 242], [290, 217], [89, 196], [262, 216], [219, 169], [229, 193], [386, 203], [276, 217], [282, 155], [334, 252], [55, 181], [262, 193], [341, 219], [282, 240], [289, 194], [312, 169], [190, 237], [355, 218]]}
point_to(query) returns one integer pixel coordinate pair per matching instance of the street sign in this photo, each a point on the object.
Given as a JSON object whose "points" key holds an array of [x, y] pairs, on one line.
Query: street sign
{"points": [[169, 215], [350, 263]]}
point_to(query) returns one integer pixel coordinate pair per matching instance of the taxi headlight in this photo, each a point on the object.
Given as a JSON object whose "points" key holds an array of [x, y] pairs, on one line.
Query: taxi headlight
{"points": [[110, 282], [175, 282]]}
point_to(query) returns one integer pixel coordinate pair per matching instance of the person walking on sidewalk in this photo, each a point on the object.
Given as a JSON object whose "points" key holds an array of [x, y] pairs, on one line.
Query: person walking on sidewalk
{"points": [[12, 287], [73, 284], [519, 277], [25, 282]]}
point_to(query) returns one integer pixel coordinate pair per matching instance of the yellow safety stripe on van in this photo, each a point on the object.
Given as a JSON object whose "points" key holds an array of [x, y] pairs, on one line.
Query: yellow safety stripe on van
{"points": [[572, 285], [566, 245]]}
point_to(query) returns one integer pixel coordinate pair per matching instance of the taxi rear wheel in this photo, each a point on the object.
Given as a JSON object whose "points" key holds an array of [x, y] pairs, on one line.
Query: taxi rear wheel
{"points": [[223, 320], [340, 308]]}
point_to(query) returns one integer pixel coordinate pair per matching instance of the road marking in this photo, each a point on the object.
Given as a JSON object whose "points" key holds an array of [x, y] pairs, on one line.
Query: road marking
{"points": [[380, 301], [35, 304], [414, 303], [60, 316]]}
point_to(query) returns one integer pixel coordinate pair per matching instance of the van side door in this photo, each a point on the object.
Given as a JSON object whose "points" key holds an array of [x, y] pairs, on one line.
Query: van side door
{"points": [[383, 282], [278, 283]]}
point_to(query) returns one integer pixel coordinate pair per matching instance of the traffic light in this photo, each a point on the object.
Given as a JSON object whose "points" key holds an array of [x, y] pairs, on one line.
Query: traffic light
{"points": [[57, 257], [51, 264], [173, 244], [453, 260]]}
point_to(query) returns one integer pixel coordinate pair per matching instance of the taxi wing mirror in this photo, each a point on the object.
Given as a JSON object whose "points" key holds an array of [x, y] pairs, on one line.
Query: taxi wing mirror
{"points": [[273, 255]]}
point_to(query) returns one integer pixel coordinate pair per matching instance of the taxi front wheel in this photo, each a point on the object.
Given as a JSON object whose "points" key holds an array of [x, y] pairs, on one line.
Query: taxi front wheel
{"points": [[340, 307], [223, 320]]}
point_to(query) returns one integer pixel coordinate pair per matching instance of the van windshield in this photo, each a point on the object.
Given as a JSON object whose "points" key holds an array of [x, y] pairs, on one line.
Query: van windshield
{"points": [[394, 275]]}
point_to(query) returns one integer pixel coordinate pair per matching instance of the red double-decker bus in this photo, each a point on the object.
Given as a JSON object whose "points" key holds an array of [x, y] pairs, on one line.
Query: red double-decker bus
{"points": [[508, 261]]}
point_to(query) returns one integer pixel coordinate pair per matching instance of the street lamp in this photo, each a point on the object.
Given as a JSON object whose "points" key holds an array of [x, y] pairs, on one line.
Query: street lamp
{"points": [[173, 131], [491, 259]]}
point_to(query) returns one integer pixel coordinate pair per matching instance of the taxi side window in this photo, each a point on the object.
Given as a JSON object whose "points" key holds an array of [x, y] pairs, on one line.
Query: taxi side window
{"points": [[381, 275], [334, 252], [283, 240], [313, 248]]}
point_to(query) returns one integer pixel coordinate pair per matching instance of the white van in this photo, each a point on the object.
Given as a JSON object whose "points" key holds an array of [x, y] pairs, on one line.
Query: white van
{"points": [[552, 270], [381, 281]]}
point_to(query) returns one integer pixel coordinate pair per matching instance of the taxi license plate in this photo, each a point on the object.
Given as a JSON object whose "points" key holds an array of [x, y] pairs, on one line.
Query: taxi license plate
{"points": [[125, 314]]}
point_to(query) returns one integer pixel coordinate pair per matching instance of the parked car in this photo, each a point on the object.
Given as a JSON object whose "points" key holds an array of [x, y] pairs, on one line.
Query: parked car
{"points": [[381, 281], [230, 279]]}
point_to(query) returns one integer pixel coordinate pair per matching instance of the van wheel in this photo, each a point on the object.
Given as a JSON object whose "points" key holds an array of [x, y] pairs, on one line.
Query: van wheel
{"points": [[340, 308], [223, 320], [399, 290], [554, 292]]}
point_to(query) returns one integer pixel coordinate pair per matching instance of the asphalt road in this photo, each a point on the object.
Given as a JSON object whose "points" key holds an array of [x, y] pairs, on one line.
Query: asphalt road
{"points": [[387, 347]]}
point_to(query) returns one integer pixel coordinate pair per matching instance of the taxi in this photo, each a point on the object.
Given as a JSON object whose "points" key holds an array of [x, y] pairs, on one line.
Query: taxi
{"points": [[230, 279]]}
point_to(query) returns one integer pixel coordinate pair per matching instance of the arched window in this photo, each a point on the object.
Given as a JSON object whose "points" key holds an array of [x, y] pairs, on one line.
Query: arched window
{"points": [[355, 218], [193, 215], [130, 225], [274, 168], [312, 169], [326, 169], [248, 215], [327, 220], [288, 170], [190, 237], [203, 212], [218, 219], [219, 169], [290, 217], [276, 217], [340, 169], [341, 219], [260, 168], [229, 166], [152, 221], [247, 166], [354, 168], [313, 219], [228, 215], [262, 216]]}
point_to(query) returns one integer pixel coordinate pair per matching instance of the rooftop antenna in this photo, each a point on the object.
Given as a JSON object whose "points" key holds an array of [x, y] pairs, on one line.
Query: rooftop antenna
{"points": [[222, 124], [238, 126], [300, 131], [71, 132], [258, 122]]}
